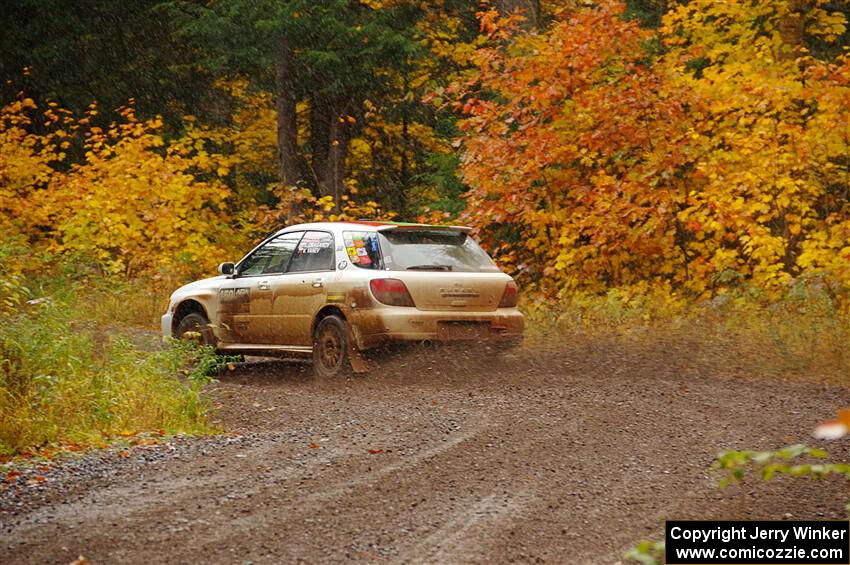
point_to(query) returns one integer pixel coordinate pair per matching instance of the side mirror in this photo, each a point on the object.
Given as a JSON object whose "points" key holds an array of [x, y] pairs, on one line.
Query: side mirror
{"points": [[227, 268]]}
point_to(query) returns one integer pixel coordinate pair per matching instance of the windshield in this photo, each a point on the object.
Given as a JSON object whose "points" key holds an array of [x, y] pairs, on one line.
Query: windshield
{"points": [[433, 250]]}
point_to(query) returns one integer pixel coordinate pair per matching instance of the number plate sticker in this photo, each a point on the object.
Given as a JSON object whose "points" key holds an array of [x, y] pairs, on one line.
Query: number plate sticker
{"points": [[463, 331]]}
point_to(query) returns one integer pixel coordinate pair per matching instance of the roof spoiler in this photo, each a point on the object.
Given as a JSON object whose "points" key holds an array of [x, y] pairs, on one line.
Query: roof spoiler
{"points": [[462, 229]]}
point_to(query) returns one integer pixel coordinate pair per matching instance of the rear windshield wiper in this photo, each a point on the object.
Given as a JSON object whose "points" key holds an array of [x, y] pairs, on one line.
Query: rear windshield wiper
{"points": [[430, 268]]}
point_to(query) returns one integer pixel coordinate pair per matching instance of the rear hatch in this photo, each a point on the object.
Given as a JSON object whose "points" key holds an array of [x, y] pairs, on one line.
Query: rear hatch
{"points": [[443, 268], [465, 292]]}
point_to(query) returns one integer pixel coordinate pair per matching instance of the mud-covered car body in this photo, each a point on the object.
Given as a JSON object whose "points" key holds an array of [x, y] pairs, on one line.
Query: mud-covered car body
{"points": [[388, 283]]}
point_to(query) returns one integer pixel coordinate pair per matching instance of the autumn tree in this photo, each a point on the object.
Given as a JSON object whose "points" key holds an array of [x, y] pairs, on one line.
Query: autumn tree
{"points": [[135, 205], [570, 150], [333, 56], [768, 187], [596, 160]]}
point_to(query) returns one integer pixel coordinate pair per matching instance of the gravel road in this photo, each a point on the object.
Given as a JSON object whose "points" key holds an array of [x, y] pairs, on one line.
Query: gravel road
{"points": [[566, 455]]}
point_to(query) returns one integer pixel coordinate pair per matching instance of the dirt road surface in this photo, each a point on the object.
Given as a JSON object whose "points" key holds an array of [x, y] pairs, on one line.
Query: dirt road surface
{"points": [[569, 455]]}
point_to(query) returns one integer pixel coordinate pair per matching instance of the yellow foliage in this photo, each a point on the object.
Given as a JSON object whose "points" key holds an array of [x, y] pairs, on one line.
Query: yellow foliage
{"points": [[301, 206], [134, 205], [764, 142], [250, 138], [25, 163], [251, 144]]}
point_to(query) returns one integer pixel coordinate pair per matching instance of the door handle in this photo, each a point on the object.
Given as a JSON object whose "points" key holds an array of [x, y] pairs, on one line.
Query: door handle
{"points": [[264, 285], [318, 283]]}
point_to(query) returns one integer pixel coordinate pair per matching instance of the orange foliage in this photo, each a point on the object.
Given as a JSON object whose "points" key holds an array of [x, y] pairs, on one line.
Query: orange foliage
{"points": [[592, 162], [570, 149], [594, 165]]}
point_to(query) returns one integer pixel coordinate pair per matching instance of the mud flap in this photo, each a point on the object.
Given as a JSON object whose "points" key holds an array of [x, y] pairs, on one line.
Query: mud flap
{"points": [[208, 336], [359, 364]]}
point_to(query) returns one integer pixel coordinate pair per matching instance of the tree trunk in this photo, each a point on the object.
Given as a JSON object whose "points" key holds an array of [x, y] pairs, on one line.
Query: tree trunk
{"points": [[333, 175], [330, 135], [320, 125], [287, 125], [404, 174], [792, 28]]}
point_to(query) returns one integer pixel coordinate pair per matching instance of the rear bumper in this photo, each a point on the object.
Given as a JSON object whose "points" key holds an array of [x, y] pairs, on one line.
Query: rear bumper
{"points": [[379, 326], [165, 325]]}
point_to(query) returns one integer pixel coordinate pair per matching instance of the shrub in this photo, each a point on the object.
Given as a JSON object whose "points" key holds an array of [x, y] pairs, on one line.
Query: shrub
{"points": [[801, 333], [66, 379]]}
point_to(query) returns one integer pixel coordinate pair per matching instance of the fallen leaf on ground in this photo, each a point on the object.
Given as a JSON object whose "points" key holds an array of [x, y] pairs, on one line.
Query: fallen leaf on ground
{"points": [[375, 451], [314, 446], [147, 441], [834, 429]]}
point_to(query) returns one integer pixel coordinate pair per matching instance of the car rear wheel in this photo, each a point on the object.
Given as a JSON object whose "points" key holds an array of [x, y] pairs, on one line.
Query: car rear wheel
{"points": [[193, 326], [330, 348]]}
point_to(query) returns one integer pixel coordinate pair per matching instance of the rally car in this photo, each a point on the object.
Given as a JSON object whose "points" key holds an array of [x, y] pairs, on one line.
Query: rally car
{"points": [[332, 290]]}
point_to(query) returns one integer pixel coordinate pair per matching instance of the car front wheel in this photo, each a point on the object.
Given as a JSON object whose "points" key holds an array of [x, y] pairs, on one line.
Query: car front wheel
{"points": [[193, 327], [330, 348]]}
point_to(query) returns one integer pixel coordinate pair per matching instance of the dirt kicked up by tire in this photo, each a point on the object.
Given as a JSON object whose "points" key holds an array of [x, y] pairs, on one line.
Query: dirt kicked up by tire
{"points": [[563, 456]]}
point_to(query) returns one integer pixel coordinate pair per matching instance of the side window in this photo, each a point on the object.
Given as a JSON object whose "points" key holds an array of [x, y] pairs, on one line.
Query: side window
{"points": [[272, 257], [362, 249], [314, 253]]}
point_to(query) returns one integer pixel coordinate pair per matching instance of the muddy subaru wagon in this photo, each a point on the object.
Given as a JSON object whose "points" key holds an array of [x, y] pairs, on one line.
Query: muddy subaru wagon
{"points": [[332, 290]]}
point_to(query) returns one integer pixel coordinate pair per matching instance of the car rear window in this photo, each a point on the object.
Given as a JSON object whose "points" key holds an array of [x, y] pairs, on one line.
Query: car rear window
{"points": [[433, 250], [362, 249]]}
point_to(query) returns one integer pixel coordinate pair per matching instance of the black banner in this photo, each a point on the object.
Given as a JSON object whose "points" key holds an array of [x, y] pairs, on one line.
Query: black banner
{"points": [[804, 542]]}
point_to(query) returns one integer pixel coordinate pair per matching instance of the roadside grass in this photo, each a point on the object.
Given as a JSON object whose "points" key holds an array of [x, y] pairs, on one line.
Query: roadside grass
{"points": [[136, 304], [804, 334], [85, 366], [71, 372]]}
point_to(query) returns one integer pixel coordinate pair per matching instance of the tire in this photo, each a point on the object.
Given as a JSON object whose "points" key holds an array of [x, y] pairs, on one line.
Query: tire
{"points": [[330, 348], [193, 322]]}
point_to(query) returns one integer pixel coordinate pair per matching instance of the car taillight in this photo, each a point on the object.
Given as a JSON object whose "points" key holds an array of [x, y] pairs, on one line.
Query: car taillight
{"points": [[391, 292], [509, 296]]}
